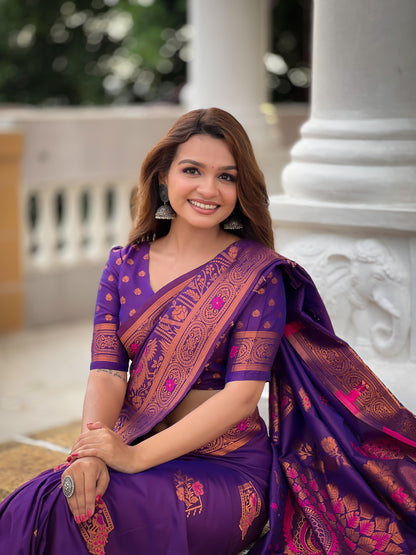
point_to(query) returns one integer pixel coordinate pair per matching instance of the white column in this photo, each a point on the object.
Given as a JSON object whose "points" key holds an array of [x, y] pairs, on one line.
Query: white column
{"points": [[360, 142], [349, 209], [230, 39]]}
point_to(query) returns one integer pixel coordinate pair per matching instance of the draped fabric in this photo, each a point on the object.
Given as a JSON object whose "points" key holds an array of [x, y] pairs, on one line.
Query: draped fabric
{"points": [[337, 476], [344, 449]]}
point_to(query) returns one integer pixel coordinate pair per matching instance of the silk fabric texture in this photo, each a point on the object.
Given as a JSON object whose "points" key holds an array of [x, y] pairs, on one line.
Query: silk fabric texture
{"points": [[343, 473]]}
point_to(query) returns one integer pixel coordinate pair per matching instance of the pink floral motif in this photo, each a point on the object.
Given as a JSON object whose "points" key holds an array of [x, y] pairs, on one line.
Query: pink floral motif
{"points": [[217, 303], [233, 351], [134, 347], [291, 472], [273, 506], [170, 384], [399, 496], [198, 488], [242, 425]]}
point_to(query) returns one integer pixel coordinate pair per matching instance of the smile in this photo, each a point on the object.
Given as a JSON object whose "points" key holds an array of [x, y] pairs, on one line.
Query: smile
{"points": [[203, 206]]}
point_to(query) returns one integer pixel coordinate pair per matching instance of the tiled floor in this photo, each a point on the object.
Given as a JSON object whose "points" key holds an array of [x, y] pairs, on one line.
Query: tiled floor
{"points": [[43, 374]]}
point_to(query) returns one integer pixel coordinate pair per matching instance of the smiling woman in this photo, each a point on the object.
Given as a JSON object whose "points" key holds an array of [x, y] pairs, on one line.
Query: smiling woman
{"points": [[191, 321]]}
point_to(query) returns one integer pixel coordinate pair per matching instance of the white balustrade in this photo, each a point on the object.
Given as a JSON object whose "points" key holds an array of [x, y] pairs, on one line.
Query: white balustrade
{"points": [[73, 222]]}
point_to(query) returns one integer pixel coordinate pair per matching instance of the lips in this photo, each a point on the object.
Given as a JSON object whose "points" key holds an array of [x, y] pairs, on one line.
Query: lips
{"points": [[203, 205]]}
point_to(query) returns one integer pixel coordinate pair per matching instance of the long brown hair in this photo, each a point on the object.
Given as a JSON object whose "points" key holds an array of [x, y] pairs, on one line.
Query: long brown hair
{"points": [[253, 202]]}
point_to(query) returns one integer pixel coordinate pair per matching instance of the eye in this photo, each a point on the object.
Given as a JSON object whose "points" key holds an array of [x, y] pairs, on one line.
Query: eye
{"points": [[191, 170], [228, 177]]}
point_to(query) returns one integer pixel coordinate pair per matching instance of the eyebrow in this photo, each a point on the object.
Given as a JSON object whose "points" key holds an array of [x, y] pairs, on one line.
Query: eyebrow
{"points": [[199, 164]]}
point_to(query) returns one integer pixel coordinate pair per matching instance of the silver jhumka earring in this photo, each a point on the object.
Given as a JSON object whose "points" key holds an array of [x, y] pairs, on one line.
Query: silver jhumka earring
{"points": [[232, 223], [164, 212]]}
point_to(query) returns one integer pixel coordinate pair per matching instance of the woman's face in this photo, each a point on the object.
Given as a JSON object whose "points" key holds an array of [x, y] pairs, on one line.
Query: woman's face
{"points": [[202, 182]]}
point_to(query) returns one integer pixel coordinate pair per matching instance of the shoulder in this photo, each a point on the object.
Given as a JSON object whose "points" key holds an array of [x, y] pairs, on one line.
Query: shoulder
{"points": [[132, 251], [263, 254], [130, 255]]}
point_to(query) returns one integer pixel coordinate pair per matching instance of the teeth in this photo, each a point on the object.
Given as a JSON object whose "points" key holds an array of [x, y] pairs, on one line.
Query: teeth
{"points": [[205, 206]]}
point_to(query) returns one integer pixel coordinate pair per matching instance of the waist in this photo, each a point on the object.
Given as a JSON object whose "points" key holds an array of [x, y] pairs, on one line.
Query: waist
{"points": [[237, 437]]}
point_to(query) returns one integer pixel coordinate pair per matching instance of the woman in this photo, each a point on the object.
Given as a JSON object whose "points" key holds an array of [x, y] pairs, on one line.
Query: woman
{"points": [[176, 459]]}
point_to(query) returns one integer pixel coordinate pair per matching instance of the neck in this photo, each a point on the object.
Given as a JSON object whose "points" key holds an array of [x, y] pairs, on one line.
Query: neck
{"points": [[193, 242]]}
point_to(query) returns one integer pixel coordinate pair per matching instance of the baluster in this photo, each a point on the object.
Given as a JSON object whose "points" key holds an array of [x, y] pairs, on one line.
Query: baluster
{"points": [[97, 245], [72, 224], [29, 225], [46, 228], [121, 221]]}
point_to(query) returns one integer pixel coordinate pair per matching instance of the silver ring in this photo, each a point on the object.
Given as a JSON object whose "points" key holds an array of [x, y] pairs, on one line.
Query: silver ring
{"points": [[68, 486]]}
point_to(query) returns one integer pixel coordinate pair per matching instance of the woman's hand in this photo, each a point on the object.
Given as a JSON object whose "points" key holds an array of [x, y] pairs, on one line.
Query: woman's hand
{"points": [[99, 441], [91, 478]]}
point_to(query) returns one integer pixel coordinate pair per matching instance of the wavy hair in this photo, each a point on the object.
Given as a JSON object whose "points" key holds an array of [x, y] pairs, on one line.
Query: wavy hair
{"points": [[252, 199]]}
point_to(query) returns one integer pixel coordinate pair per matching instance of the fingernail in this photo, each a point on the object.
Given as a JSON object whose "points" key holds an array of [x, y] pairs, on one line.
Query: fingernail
{"points": [[98, 498], [84, 518], [77, 520], [69, 459], [90, 423], [89, 513]]}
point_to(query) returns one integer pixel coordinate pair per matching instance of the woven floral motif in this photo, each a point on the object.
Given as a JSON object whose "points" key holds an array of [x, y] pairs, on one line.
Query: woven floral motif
{"points": [[95, 530], [189, 491], [250, 506]]}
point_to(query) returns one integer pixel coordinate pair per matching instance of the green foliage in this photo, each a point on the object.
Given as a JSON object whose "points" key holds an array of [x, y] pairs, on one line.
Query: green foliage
{"points": [[80, 52], [88, 52]]}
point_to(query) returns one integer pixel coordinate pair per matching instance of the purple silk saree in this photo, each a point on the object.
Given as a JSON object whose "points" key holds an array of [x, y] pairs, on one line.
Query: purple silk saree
{"points": [[341, 474]]}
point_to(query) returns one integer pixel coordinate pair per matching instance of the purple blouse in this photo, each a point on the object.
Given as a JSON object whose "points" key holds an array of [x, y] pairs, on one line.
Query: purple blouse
{"points": [[243, 353]]}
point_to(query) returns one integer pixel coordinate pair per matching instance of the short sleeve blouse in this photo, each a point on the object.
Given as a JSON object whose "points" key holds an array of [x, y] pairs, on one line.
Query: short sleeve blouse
{"points": [[245, 352]]}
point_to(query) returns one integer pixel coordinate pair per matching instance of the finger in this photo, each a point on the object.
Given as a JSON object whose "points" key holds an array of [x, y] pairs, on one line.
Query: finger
{"points": [[73, 500], [95, 425], [102, 484], [84, 441], [90, 493]]}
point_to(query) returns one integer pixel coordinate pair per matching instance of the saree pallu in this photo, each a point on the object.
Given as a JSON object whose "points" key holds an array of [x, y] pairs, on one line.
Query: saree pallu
{"points": [[344, 449], [343, 473]]}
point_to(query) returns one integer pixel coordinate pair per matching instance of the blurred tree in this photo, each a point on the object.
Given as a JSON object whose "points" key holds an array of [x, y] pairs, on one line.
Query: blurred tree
{"points": [[58, 52], [91, 51]]}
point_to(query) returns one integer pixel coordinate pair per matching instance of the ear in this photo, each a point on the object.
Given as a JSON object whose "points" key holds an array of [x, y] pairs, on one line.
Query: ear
{"points": [[162, 177]]}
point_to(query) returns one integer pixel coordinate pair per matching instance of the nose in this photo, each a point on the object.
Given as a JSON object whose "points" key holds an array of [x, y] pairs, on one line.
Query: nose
{"points": [[207, 186]]}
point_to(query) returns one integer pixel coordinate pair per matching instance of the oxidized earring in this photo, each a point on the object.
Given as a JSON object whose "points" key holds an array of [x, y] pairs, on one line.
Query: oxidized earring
{"points": [[164, 212], [232, 223]]}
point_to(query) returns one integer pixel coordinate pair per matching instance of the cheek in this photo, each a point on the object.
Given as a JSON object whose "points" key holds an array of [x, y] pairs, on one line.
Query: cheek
{"points": [[230, 194]]}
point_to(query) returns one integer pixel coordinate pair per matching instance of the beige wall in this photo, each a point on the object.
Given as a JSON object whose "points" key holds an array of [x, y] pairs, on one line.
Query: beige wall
{"points": [[11, 287]]}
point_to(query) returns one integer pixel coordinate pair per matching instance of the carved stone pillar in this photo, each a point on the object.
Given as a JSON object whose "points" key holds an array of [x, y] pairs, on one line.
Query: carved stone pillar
{"points": [[229, 41], [349, 209]]}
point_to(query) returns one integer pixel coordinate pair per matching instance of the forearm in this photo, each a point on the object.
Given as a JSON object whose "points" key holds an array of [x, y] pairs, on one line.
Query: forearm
{"points": [[205, 423], [104, 397]]}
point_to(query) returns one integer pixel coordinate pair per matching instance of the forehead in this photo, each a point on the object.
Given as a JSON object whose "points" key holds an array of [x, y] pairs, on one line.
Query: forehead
{"points": [[205, 150]]}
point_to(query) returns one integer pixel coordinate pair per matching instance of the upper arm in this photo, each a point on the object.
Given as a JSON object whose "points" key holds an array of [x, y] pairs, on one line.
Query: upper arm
{"points": [[107, 351], [245, 392], [257, 333]]}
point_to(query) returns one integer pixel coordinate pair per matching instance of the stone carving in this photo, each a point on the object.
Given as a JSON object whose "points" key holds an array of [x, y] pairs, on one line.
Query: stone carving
{"points": [[365, 289]]}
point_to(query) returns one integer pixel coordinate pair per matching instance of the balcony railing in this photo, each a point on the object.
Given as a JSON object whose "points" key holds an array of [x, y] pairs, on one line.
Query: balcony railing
{"points": [[66, 223]]}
